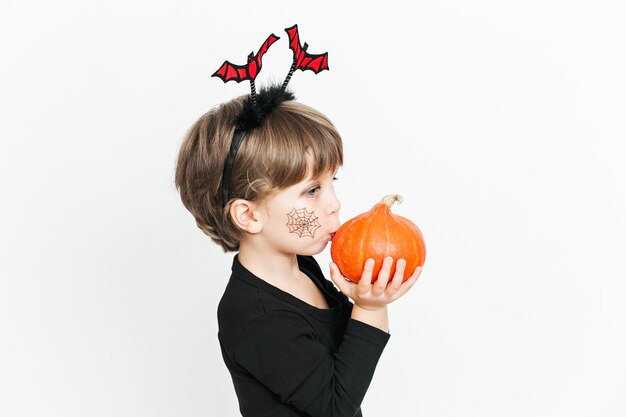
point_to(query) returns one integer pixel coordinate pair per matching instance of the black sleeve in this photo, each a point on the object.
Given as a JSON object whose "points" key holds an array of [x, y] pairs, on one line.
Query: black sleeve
{"points": [[281, 350]]}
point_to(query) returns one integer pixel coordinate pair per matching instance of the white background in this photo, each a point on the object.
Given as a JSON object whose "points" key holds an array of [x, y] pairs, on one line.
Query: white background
{"points": [[501, 123]]}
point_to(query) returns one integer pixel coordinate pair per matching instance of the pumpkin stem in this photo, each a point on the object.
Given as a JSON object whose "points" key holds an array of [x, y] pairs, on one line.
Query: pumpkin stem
{"points": [[391, 199]]}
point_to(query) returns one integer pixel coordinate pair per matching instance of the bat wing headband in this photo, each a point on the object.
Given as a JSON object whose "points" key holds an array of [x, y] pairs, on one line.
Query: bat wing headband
{"points": [[257, 106]]}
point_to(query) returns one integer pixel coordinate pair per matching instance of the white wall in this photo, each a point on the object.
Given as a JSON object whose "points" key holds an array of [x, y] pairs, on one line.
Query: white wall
{"points": [[501, 123]]}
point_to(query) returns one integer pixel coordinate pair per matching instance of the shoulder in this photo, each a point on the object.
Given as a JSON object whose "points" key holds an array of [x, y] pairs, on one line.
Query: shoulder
{"points": [[249, 301]]}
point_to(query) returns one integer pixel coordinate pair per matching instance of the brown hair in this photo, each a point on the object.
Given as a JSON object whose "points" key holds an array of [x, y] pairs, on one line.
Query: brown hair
{"points": [[293, 141]]}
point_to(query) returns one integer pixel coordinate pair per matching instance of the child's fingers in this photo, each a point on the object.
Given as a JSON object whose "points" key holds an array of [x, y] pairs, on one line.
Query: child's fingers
{"points": [[417, 272], [342, 283], [366, 277], [406, 285], [396, 282], [383, 277]]}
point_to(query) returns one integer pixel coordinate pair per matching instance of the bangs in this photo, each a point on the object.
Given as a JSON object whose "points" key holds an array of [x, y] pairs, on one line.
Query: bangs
{"points": [[294, 141]]}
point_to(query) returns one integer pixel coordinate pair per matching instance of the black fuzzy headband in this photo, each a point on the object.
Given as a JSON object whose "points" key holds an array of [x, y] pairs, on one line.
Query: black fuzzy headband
{"points": [[254, 112]]}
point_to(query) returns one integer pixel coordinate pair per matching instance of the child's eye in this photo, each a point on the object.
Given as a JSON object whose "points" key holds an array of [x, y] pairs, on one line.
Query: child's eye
{"points": [[313, 191]]}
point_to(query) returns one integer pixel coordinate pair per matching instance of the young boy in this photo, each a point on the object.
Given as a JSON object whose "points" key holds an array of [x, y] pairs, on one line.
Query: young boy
{"points": [[294, 345]]}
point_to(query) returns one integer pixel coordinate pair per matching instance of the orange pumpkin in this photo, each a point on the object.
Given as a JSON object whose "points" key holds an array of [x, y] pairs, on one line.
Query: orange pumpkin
{"points": [[376, 234]]}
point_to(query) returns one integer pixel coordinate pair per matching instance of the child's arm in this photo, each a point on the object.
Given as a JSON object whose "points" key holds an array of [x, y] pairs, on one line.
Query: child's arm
{"points": [[370, 300], [284, 352]]}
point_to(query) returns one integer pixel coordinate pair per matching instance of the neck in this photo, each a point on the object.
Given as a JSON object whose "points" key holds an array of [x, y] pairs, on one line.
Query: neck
{"points": [[270, 266]]}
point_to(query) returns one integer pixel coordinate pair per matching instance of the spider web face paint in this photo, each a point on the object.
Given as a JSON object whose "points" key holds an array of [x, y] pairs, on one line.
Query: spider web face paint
{"points": [[302, 222]]}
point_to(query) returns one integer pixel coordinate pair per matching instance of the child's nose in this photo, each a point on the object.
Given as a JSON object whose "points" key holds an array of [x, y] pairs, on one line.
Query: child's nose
{"points": [[335, 205]]}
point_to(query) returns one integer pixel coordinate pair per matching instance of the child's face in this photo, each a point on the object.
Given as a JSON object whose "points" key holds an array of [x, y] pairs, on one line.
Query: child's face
{"points": [[302, 219]]}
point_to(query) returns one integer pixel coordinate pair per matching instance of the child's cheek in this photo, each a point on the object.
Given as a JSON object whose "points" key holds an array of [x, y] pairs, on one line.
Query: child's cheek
{"points": [[302, 222]]}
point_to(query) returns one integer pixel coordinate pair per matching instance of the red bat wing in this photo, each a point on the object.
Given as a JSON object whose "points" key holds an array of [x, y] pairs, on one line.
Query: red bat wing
{"points": [[315, 63], [304, 60], [230, 72], [263, 49], [294, 40]]}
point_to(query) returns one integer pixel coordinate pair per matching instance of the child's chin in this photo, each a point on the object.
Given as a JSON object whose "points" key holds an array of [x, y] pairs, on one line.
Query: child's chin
{"points": [[310, 251]]}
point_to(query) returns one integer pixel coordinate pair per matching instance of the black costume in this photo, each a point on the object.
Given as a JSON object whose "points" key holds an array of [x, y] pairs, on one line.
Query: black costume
{"points": [[288, 358]]}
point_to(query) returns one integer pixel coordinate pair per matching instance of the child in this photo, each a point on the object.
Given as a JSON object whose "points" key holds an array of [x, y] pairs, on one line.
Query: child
{"points": [[294, 345]]}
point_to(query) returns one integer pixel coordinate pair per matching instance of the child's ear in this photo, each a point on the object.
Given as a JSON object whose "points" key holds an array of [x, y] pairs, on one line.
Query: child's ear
{"points": [[245, 216]]}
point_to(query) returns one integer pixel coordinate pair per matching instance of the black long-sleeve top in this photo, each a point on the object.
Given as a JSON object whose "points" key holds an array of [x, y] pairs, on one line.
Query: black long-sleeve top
{"points": [[289, 358]]}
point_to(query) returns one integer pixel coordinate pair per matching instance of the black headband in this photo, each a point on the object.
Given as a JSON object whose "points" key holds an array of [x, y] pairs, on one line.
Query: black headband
{"points": [[251, 117]]}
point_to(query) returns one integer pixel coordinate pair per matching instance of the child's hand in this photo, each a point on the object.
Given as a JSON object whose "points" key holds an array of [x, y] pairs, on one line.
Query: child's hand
{"points": [[377, 295]]}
